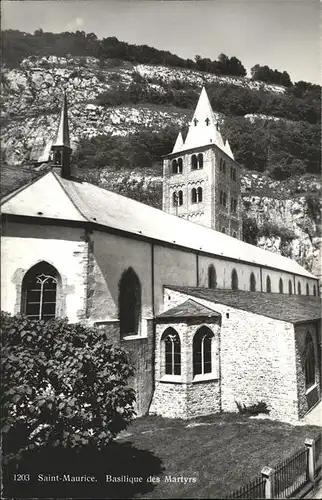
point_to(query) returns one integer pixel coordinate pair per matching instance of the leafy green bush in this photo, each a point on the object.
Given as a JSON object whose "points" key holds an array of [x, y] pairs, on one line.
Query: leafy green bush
{"points": [[62, 385], [250, 230], [255, 409]]}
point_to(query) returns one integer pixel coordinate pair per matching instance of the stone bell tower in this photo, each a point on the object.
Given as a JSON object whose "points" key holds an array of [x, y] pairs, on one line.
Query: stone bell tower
{"points": [[201, 180]]}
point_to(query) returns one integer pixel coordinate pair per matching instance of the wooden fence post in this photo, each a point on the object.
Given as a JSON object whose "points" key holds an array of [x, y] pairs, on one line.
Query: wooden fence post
{"points": [[310, 445], [268, 474]]}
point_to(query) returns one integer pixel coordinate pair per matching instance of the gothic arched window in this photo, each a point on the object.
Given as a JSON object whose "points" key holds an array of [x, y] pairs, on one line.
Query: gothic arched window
{"points": [[129, 303], [252, 283], [175, 199], [39, 292], [174, 166], [309, 361], [180, 165], [194, 195], [268, 284], [299, 289], [194, 162], [280, 285], [202, 362], [200, 160], [172, 351], [199, 194], [180, 198], [234, 280], [307, 289], [290, 289], [212, 277]]}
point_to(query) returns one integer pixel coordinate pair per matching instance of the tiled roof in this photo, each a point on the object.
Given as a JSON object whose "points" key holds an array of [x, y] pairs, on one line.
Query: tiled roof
{"points": [[189, 309], [103, 207], [289, 308]]}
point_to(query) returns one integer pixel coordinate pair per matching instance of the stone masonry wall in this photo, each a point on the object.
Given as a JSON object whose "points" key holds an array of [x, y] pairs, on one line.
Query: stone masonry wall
{"points": [[182, 396], [257, 357]]}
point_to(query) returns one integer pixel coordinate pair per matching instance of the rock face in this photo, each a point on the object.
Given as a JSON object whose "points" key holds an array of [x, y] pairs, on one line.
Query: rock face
{"points": [[287, 218]]}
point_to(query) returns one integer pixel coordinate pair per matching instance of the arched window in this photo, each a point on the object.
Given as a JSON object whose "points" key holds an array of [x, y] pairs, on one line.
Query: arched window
{"points": [[309, 360], [268, 284], [223, 230], [290, 289], [194, 162], [172, 350], [129, 303], [200, 160], [199, 194], [39, 292], [314, 290], [224, 199], [57, 158], [234, 234], [224, 167], [307, 289], [174, 166], [252, 283], [194, 195], [299, 289], [202, 351], [220, 164], [180, 165], [180, 198], [234, 280], [280, 285], [212, 277]]}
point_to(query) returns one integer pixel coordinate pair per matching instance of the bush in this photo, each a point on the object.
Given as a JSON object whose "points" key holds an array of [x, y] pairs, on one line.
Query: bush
{"points": [[250, 230], [255, 409], [63, 386]]}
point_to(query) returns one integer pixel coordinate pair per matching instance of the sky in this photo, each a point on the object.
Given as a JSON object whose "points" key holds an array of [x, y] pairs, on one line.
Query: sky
{"points": [[284, 34]]}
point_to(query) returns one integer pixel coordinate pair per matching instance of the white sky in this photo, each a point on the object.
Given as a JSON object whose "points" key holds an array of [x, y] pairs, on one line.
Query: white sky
{"points": [[284, 34]]}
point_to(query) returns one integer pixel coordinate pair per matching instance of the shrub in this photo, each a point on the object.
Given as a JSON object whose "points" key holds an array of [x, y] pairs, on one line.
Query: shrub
{"points": [[250, 230], [255, 409], [63, 385]]}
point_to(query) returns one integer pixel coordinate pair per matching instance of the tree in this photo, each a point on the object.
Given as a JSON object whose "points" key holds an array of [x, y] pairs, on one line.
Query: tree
{"points": [[62, 385]]}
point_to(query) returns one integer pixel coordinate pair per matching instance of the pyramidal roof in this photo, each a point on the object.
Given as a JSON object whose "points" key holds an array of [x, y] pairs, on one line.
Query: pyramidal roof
{"points": [[179, 144], [62, 136], [203, 128]]}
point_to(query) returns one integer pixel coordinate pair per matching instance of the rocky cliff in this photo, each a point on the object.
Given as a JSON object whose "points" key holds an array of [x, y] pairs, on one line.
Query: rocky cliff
{"points": [[285, 216]]}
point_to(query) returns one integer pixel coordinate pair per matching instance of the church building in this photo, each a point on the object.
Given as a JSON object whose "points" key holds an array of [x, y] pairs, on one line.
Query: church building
{"points": [[208, 320]]}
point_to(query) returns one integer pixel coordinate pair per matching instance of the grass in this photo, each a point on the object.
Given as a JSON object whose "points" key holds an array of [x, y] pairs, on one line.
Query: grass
{"points": [[222, 451], [207, 457]]}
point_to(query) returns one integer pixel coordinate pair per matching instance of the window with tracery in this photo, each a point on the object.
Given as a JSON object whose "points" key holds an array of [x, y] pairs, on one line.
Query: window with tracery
{"points": [[202, 362], [172, 350], [39, 290]]}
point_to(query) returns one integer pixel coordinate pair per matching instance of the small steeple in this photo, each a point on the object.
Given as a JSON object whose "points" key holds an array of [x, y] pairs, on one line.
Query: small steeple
{"points": [[61, 146], [178, 144]]}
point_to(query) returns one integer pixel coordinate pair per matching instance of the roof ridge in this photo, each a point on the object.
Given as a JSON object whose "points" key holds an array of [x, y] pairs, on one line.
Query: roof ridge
{"points": [[59, 179]]}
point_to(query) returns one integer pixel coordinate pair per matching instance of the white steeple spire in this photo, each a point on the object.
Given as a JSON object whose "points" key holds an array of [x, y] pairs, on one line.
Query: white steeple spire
{"points": [[179, 144], [203, 129]]}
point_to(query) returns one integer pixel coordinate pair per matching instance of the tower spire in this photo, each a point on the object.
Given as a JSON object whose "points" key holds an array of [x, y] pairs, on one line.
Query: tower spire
{"points": [[61, 145]]}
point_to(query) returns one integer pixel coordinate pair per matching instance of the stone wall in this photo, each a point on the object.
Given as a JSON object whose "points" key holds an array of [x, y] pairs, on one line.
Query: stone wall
{"points": [[186, 396], [257, 359], [209, 212], [24, 245]]}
